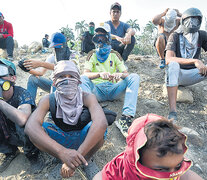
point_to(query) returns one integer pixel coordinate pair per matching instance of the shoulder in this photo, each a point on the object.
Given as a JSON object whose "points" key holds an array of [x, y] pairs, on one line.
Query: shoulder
{"points": [[202, 33], [90, 54], [88, 99], [115, 53], [44, 102]]}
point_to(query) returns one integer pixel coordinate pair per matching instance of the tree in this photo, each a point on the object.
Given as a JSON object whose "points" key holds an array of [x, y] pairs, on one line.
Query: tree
{"points": [[133, 24], [145, 41], [68, 32], [80, 27]]}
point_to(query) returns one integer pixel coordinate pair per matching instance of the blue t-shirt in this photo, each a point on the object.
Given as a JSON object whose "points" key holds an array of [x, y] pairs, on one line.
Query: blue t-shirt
{"points": [[119, 31]]}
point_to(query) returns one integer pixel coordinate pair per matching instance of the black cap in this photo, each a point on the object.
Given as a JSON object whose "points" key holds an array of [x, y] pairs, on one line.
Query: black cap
{"points": [[117, 5]]}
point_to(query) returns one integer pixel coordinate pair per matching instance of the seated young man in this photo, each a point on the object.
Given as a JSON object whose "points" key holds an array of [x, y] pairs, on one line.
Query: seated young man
{"points": [[183, 52], [65, 139], [36, 80], [155, 150], [106, 76], [16, 105]]}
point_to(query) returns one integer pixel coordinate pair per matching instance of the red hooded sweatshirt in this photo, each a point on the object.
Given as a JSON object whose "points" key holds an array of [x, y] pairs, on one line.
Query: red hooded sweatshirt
{"points": [[6, 29]]}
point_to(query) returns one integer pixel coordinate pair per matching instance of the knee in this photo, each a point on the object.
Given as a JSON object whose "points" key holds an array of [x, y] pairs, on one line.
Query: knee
{"points": [[10, 38], [173, 66], [33, 79], [84, 79], [160, 40], [134, 77], [133, 40]]}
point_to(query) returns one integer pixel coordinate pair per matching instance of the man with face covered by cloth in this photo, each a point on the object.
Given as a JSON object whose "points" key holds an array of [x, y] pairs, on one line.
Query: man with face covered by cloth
{"points": [[72, 147], [167, 22], [106, 76], [183, 52], [155, 151]]}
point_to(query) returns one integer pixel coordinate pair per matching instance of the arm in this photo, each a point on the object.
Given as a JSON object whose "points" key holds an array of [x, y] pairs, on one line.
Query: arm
{"points": [[178, 13], [40, 138], [157, 20], [17, 115], [190, 175], [170, 56], [98, 127], [95, 75], [31, 64]]}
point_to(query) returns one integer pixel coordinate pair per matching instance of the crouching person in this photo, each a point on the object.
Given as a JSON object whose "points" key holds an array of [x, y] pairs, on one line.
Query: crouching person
{"points": [[155, 150], [16, 105], [68, 139]]}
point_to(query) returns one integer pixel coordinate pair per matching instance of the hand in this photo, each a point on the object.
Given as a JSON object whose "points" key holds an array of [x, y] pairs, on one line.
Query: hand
{"points": [[105, 75], [166, 10], [1, 95], [127, 39], [202, 67], [73, 158], [116, 77], [31, 64], [66, 172], [21, 65]]}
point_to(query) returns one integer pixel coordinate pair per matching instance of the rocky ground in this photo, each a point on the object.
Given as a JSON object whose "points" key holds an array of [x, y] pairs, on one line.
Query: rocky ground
{"points": [[192, 114]]}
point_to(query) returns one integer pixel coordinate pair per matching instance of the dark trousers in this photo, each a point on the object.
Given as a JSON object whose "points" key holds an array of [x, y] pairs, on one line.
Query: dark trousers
{"points": [[124, 50], [86, 47], [8, 44], [17, 138]]}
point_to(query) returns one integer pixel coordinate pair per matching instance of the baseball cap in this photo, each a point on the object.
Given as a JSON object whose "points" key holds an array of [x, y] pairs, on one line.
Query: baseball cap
{"points": [[57, 40], [10, 65], [117, 5], [103, 27]]}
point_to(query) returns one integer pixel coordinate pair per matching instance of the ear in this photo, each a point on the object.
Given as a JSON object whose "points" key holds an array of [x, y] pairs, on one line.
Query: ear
{"points": [[13, 78]]}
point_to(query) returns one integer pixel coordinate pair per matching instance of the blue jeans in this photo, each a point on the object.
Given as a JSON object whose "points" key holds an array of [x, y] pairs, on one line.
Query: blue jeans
{"points": [[185, 77], [35, 82], [108, 91], [8, 44], [71, 139]]}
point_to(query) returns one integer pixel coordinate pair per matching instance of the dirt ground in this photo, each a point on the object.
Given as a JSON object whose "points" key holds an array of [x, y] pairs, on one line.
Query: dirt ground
{"points": [[150, 100]]}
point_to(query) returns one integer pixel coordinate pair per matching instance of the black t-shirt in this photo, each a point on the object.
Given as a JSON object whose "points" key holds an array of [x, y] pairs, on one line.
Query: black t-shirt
{"points": [[173, 44], [20, 96]]}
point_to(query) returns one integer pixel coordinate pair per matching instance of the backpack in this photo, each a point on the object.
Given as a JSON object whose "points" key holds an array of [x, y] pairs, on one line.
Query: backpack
{"points": [[84, 118]]}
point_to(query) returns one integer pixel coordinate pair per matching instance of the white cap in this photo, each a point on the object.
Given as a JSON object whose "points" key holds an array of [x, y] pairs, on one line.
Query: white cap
{"points": [[103, 26]]}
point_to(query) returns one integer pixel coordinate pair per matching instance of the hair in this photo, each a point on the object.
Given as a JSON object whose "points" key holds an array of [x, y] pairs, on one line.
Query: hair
{"points": [[163, 137], [92, 23], [46, 35]]}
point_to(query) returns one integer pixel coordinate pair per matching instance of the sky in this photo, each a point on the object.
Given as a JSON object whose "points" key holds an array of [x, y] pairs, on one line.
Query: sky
{"points": [[32, 19]]}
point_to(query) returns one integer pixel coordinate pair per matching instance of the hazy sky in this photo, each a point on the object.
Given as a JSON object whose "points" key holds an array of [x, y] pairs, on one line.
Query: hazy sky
{"points": [[31, 19]]}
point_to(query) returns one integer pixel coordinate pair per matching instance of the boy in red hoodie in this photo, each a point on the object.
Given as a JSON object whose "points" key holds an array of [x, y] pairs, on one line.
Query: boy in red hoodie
{"points": [[155, 151]]}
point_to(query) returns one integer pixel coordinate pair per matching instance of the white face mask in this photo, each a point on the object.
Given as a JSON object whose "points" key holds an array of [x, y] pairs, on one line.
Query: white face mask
{"points": [[191, 22], [170, 20]]}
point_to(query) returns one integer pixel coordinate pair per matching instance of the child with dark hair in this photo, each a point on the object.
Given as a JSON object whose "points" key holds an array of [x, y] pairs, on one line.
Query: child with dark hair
{"points": [[155, 150]]}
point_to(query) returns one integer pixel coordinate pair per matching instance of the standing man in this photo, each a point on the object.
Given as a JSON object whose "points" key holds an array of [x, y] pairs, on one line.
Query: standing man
{"points": [[16, 105], [67, 139], [183, 56], [106, 76], [167, 22], [122, 34], [6, 37], [45, 41], [87, 44]]}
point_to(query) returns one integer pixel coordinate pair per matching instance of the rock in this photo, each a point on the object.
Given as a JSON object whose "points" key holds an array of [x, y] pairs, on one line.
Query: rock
{"points": [[151, 103], [35, 47], [15, 44], [193, 137], [3, 53], [183, 95]]}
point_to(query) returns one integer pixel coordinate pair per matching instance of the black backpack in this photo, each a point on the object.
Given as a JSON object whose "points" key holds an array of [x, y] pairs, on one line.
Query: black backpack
{"points": [[84, 119]]}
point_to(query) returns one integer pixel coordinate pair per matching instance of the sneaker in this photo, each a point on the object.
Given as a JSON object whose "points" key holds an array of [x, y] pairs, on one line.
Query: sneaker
{"points": [[36, 163], [162, 64], [173, 115], [123, 124], [6, 159], [91, 170]]}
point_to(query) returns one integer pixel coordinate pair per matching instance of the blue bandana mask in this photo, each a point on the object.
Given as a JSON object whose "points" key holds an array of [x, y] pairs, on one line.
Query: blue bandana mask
{"points": [[102, 52]]}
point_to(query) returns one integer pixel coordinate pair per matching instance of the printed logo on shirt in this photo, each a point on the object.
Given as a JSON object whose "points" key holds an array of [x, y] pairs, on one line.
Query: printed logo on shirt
{"points": [[111, 63]]}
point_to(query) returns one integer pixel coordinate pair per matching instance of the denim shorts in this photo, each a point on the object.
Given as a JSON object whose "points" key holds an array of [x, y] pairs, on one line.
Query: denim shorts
{"points": [[71, 139]]}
